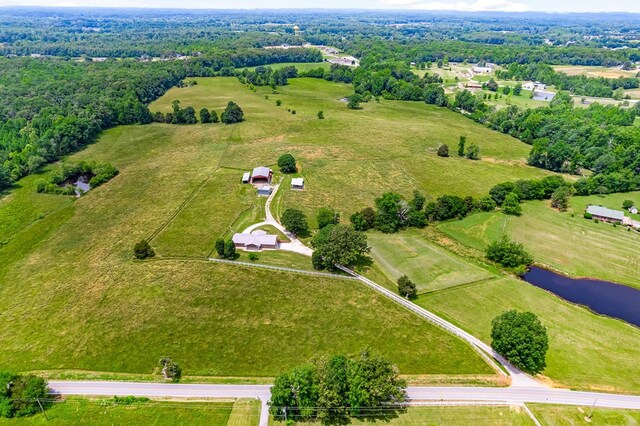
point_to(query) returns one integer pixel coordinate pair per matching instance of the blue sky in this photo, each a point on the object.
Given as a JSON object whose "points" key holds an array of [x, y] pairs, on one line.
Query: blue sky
{"points": [[460, 5]]}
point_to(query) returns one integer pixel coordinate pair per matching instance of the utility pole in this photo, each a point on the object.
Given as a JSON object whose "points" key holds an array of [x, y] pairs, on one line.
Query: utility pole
{"points": [[592, 407], [42, 409]]}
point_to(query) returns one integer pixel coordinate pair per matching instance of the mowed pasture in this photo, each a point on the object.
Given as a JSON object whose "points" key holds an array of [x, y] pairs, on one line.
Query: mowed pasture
{"points": [[565, 241], [470, 294], [353, 156], [568, 415], [74, 410], [443, 415], [72, 297], [429, 266], [586, 351]]}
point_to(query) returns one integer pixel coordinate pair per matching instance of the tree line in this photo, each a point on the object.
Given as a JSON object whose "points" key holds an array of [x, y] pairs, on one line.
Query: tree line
{"points": [[53, 107]]}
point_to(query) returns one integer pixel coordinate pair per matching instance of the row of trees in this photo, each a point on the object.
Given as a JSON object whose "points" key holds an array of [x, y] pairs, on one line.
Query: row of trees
{"points": [[52, 107], [334, 388], [267, 76], [231, 114], [225, 249]]}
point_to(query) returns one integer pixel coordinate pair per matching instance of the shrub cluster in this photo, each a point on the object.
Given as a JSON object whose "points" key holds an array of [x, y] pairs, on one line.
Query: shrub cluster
{"points": [[100, 172], [226, 249], [19, 394]]}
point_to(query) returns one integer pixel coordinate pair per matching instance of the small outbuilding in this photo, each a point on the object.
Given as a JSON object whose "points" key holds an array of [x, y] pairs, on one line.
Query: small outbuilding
{"points": [[246, 177], [261, 175], [265, 190], [297, 183], [633, 210]]}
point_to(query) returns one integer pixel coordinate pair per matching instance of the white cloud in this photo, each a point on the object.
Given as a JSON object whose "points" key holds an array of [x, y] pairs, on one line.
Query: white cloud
{"points": [[474, 6]]}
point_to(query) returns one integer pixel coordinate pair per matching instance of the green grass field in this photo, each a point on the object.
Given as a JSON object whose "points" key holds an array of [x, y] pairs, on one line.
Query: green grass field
{"points": [[430, 267], [420, 416], [563, 415], [569, 243], [75, 299], [585, 350], [105, 412], [351, 157], [301, 66]]}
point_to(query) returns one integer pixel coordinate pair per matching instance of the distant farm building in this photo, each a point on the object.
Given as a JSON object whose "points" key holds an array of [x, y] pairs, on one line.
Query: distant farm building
{"points": [[482, 70], [297, 183], [472, 85], [633, 210], [246, 177], [530, 85], [603, 213], [261, 175], [256, 241], [265, 190]]}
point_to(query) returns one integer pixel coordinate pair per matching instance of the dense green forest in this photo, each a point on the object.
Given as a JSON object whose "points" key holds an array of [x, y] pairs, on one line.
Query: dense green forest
{"points": [[52, 107], [54, 104]]}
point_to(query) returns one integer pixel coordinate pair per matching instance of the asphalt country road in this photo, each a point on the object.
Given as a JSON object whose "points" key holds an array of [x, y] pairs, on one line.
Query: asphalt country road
{"points": [[513, 395]]}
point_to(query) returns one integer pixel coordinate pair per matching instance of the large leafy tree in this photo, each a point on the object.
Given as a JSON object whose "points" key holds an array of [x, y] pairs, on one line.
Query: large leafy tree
{"points": [[334, 387], [340, 245], [296, 222], [508, 253], [287, 163], [522, 339], [232, 114]]}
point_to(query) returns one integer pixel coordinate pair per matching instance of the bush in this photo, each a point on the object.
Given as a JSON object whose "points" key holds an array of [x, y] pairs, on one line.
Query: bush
{"points": [[522, 339], [327, 216], [443, 150], [287, 163], [220, 247], [229, 250], [406, 287], [364, 219], [321, 115], [508, 253], [143, 250], [487, 204], [253, 257], [588, 215], [278, 102], [170, 370], [627, 204], [19, 394], [232, 114], [317, 261], [473, 152], [511, 205]]}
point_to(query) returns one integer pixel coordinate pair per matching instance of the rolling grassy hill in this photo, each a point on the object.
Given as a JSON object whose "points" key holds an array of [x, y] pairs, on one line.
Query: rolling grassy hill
{"points": [[73, 298]]}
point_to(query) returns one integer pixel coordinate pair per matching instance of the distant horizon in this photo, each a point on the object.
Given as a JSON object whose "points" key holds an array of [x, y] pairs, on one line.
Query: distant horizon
{"points": [[630, 7]]}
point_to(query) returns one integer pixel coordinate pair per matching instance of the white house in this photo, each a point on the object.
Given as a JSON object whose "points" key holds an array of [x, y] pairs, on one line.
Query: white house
{"points": [[257, 240]]}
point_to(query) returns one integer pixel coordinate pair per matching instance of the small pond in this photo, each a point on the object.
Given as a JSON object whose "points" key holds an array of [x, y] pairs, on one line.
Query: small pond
{"points": [[602, 297], [80, 182]]}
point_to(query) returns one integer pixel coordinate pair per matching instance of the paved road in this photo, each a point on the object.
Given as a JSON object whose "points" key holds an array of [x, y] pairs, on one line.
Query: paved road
{"points": [[510, 396], [518, 377], [295, 245]]}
